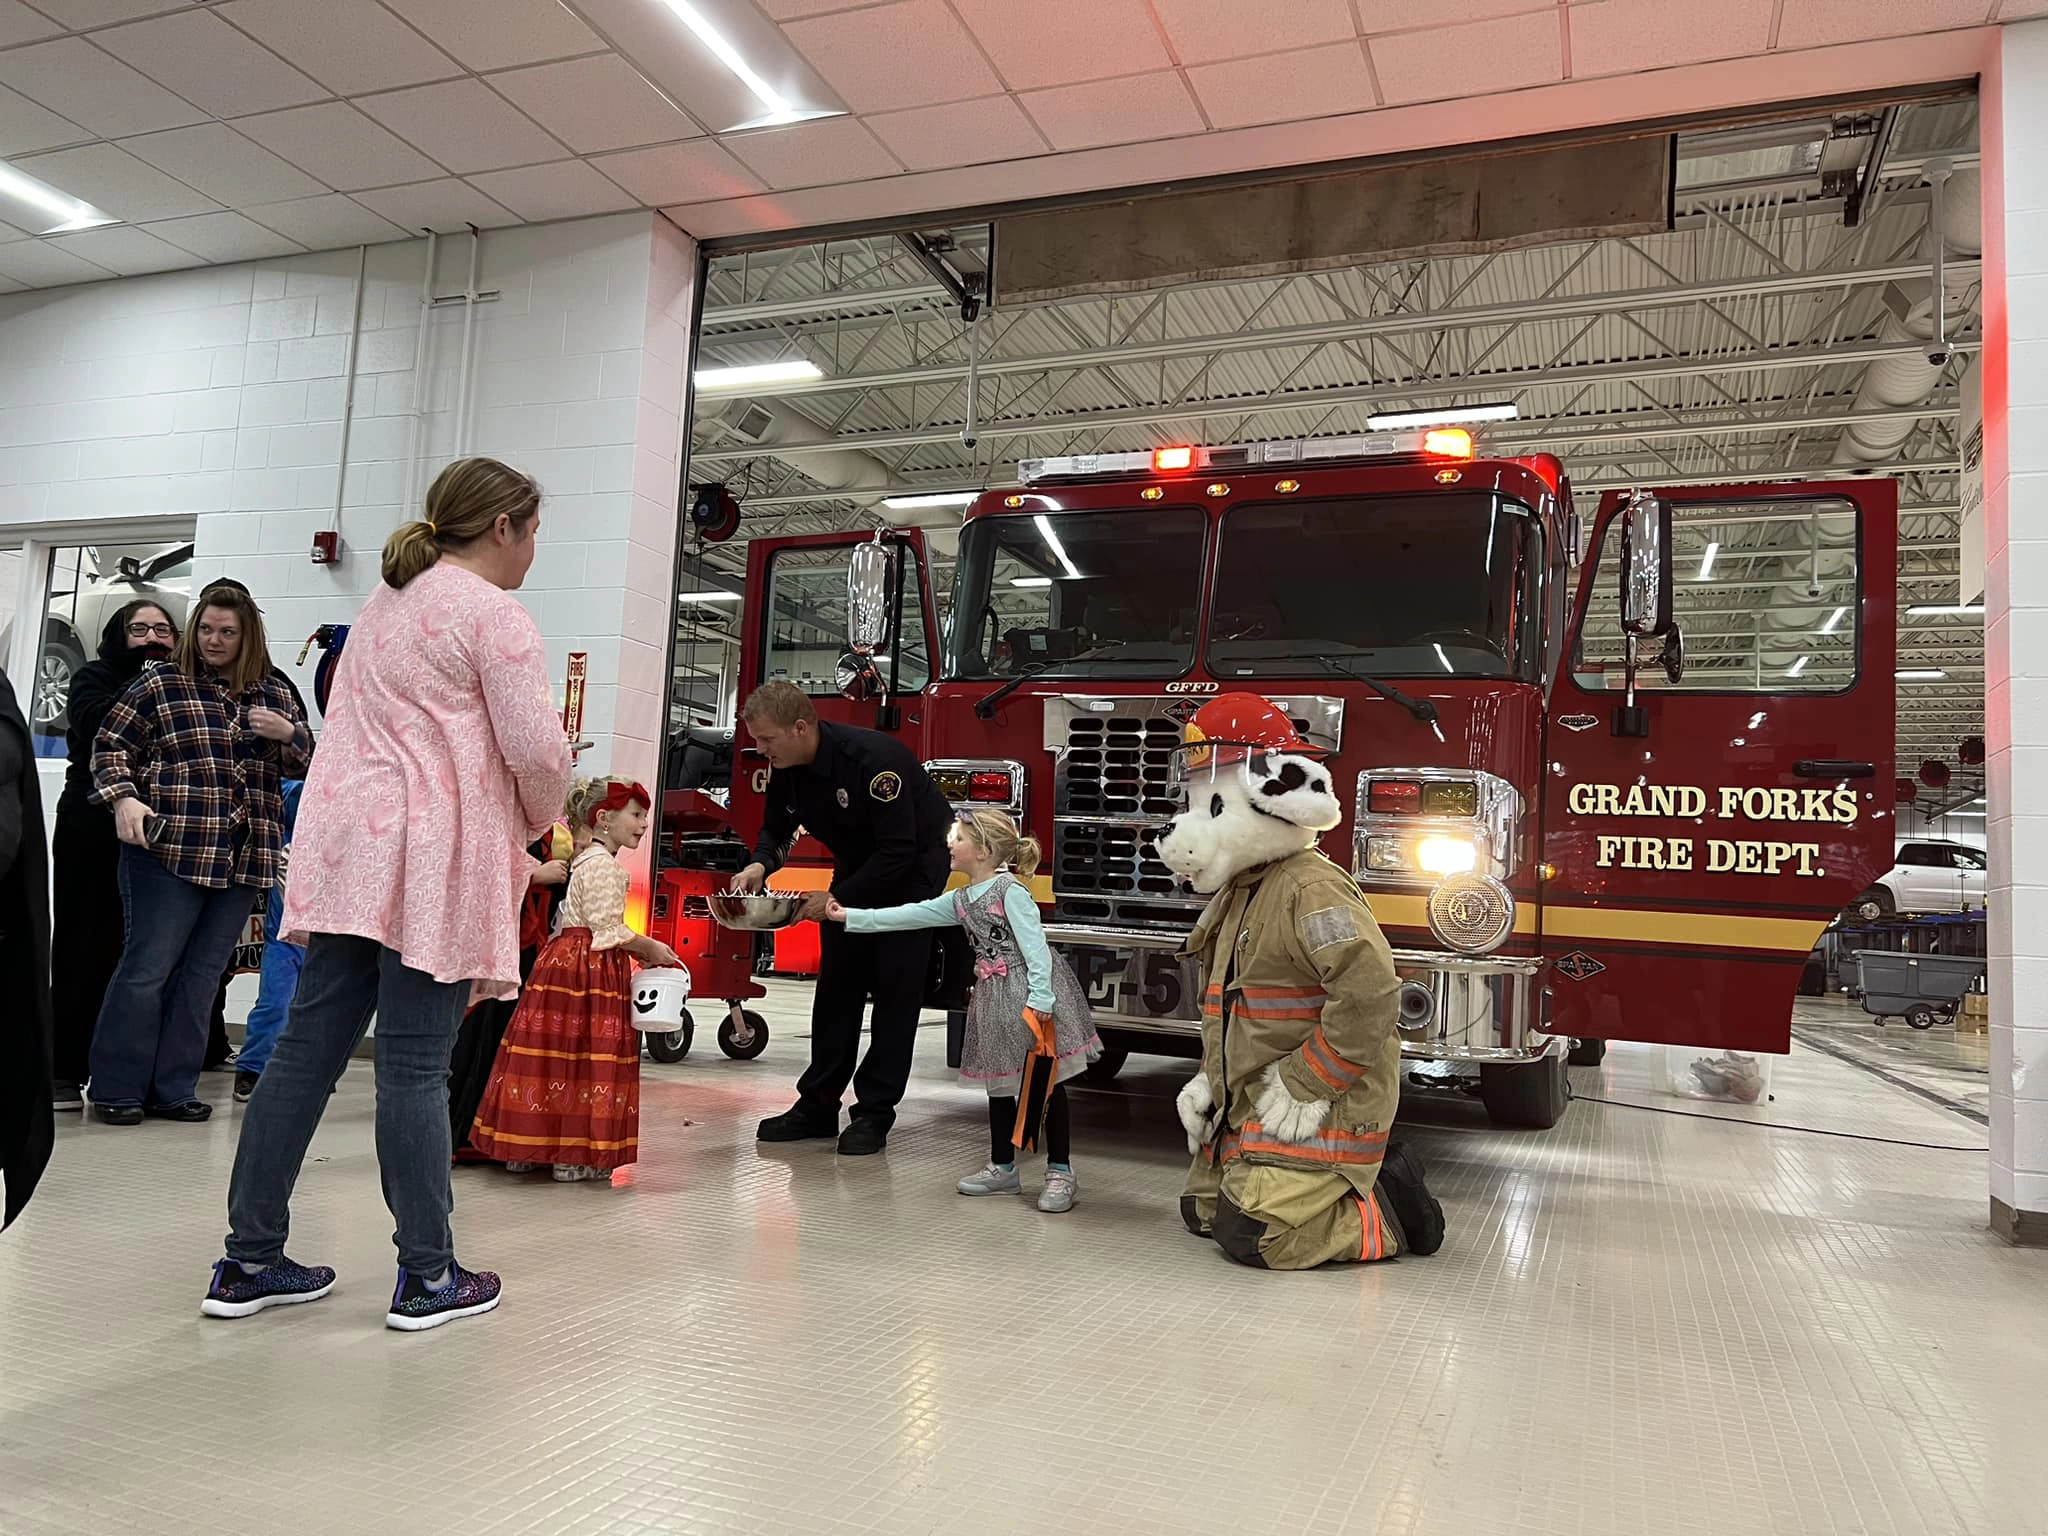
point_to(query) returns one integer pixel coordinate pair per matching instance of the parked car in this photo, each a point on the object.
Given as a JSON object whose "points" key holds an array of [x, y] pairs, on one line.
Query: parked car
{"points": [[76, 614], [1931, 876]]}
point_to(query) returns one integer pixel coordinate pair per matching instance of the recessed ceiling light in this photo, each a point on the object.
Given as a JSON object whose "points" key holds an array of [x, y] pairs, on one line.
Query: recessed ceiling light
{"points": [[784, 372], [34, 205], [776, 108], [929, 499], [1388, 421]]}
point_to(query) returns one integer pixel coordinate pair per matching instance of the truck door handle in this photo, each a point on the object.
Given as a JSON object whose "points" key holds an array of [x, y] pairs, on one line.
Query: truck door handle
{"points": [[1833, 768]]}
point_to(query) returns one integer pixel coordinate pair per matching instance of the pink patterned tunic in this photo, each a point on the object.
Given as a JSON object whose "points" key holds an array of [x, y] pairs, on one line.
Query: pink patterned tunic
{"points": [[442, 757]]}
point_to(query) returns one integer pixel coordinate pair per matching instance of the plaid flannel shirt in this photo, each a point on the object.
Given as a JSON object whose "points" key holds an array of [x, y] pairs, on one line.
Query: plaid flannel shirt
{"points": [[184, 747]]}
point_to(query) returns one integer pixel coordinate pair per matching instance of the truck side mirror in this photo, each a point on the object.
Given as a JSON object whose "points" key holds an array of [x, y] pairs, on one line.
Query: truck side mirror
{"points": [[870, 597], [1646, 586]]}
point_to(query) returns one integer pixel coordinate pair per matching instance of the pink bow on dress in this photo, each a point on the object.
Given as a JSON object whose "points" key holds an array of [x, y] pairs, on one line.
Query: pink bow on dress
{"points": [[983, 969]]}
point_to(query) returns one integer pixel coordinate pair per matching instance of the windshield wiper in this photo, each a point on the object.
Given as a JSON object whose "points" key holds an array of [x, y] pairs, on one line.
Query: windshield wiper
{"points": [[985, 708], [1424, 710]]}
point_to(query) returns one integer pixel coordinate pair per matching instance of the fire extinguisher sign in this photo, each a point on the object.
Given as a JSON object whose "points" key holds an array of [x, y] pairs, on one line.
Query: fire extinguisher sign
{"points": [[572, 696]]}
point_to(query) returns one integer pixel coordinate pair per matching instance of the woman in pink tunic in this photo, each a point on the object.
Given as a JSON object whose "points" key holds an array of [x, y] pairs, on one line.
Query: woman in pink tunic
{"points": [[442, 757]]}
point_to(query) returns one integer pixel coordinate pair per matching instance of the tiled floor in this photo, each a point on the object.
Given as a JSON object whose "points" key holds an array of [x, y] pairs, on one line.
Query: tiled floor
{"points": [[1641, 1323]]}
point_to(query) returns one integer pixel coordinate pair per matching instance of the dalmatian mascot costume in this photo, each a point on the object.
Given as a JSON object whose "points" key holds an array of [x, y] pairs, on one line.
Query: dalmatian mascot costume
{"points": [[1289, 1116]]}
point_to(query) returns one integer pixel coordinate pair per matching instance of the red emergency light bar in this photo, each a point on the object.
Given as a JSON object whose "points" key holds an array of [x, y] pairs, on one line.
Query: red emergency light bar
{"points": [[1434, 443]]}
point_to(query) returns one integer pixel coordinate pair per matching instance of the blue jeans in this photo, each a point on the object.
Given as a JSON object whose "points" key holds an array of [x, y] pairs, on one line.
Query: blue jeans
{"points": [[276, 984], [151, 1037], [346, 979]]}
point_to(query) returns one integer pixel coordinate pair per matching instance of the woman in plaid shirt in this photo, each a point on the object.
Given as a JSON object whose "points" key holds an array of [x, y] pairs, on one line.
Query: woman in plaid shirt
{"points": [[190, 761]]}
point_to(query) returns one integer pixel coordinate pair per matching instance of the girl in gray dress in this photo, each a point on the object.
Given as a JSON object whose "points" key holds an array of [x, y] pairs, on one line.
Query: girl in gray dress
{"points": [[1029, 1025]]}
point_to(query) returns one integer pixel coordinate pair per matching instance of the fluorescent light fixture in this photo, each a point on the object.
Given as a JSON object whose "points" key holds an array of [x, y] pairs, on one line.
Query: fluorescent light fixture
{"points": [[788, 371], [929, 499], [1052, 542], [708, 597], [1798, 666], [42, 209], [1930, 610], [1918, 674], [1834, 619], [1707, 561], [1443, 416], [1030, 581], [776, 108]]}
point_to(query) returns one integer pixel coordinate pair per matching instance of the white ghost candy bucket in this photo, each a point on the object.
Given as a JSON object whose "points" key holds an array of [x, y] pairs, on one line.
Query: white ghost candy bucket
{"points": [[658, 997]]}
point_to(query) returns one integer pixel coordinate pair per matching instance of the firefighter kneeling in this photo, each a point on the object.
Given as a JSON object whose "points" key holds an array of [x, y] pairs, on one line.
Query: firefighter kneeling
{"points": [[1289, 1115]]}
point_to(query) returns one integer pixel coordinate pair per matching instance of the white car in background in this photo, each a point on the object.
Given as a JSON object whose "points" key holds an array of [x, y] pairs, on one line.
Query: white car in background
{"points": [[1929, 875], [79, 609]]}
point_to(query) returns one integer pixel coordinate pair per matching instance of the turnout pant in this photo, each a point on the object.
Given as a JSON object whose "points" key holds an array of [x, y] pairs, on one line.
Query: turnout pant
{"points": [[1277, 1217], [852, 967]]}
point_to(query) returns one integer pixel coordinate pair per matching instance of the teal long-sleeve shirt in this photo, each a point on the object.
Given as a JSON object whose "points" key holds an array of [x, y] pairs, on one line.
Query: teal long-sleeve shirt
{"points": [[1018, 906]]}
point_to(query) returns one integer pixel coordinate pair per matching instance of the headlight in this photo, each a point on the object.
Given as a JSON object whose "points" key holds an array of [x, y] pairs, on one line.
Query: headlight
{"points": [[1447, 855], [1386, 855], [1471, 913]]}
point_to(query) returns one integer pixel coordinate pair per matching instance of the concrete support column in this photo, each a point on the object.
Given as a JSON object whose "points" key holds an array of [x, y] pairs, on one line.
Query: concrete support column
{"points": [[2014, 118]]}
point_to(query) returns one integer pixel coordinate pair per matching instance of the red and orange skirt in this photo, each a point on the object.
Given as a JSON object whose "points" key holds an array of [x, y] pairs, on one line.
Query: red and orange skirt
{"points": [[566, 1086]]}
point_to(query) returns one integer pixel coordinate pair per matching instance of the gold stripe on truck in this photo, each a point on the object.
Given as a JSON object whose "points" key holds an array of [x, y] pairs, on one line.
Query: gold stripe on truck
{"points": [[1689, 930]]}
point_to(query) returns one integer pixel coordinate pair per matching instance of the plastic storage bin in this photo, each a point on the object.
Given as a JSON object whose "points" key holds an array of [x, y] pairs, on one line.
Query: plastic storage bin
{"points": [[1716, 1075]]}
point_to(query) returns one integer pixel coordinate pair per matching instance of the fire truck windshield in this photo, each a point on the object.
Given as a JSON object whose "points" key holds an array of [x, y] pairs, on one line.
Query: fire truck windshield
{"points": [[1077, 594], [1397, 586]]}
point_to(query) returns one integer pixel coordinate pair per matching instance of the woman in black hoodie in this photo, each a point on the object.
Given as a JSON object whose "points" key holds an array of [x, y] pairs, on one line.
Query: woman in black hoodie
{"points": [[88, 922]]}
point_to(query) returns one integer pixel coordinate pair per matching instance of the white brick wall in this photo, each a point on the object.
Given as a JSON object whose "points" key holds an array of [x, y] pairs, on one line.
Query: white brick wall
{"points": [[218, 394]]}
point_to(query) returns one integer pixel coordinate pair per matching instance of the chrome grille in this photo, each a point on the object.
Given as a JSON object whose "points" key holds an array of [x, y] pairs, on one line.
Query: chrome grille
{"points": [[1112, 791]]}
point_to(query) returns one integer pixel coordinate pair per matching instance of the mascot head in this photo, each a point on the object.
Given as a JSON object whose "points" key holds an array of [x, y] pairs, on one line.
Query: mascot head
{"points": [[1256, 793]]}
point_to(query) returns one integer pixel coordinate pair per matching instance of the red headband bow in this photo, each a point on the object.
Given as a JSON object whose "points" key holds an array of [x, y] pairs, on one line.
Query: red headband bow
{"points": [[618, 796]]}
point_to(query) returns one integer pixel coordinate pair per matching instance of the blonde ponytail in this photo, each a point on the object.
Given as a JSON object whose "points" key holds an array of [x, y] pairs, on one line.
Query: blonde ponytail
{"points": [[1024, 862], [463, 504], [1000, 838]]}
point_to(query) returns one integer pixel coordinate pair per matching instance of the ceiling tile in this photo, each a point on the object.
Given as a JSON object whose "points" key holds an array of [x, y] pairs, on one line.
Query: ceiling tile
{"points": [[93, 89], [9, 232], [41, 265], [568, 189], [1204, 31], [1399, 15], [325, 223], [1024, 40], [1506, 55], [1115, 111], [1614, 37], [19, 24], [350, 46], [445, 205], [80, 14], [697, 172], [595, 104], [210, 64], [339, 146], [1285, 87], [959, 133], [26, 127], [225, 166], [911, 54], [223, 237], [816, 154], [496, 34], [787, 10], [464, 125], [1812, 23], [124, 249], [115, 181], [2013, 10]]}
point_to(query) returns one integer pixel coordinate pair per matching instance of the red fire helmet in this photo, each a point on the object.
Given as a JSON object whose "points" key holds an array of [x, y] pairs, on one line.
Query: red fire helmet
{"points": [[1243, 721]]}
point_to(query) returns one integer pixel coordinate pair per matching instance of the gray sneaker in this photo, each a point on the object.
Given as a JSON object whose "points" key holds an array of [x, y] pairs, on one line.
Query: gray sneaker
{"points": [[1060, 1190], [993, 1179]]}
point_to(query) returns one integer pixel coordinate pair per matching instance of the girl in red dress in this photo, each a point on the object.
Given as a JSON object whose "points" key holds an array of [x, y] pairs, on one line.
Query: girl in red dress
{"points": [[566, 1087]]}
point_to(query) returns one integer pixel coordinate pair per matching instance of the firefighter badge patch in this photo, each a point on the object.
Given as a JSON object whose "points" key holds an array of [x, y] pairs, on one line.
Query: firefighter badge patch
{"points": [[842, 797], [885, 786]]}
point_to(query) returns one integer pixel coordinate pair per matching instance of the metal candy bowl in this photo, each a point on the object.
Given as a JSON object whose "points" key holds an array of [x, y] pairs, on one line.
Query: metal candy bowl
{"points": [[769, 910]]}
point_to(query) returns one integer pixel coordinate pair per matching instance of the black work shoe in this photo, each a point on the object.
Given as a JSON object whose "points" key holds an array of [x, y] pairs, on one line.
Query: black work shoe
{"points": [[1421, 1218], [797, 1124], [191, 1112], [66, 1096], [118, 1114], [863, 1138], [245, 1084]]}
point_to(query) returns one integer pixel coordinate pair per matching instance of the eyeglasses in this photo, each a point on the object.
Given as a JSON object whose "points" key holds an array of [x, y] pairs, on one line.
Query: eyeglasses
{"points": [[139, 630]]}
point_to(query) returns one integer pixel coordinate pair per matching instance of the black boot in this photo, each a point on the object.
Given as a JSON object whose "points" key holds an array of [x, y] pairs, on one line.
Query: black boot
{"points": [[797, 1124], [1408, 1197]]}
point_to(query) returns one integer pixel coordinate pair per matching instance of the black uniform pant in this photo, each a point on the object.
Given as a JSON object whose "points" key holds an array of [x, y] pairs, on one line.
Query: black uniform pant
{"points": [[853, 967], [86, 934]]}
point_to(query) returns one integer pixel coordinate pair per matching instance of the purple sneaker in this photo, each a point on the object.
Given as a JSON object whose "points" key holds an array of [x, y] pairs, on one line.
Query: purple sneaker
{"points": [[236, 1293], [415, 1305]]}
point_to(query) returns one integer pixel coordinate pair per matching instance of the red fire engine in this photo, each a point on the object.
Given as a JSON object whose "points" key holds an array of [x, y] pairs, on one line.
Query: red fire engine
{"points": [[1592, 798]]}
